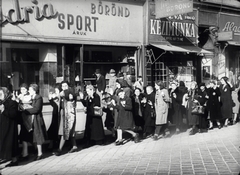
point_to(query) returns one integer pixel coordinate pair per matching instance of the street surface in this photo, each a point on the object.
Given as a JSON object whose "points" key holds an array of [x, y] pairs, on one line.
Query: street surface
{"points": [[212, 153]]}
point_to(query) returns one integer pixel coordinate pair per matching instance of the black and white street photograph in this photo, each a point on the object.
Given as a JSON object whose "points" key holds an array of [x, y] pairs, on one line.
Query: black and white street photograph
{"points": [[120, 87]]}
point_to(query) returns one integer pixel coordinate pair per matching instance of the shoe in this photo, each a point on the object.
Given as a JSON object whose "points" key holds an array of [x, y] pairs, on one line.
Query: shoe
{"points": [[12, 164], [225, 125], [210, 128], [144, 136], [219, 126], [38, 158], [136, 138], [58, 153], [23, 159], [73, 150], [155, 137], [120, 142], [192, 132]]}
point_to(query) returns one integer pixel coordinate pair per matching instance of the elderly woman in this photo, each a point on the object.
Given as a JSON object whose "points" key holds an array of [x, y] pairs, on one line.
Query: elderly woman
{"points": [[94, 131], [39, 128], [8, 125], [161, 108]]}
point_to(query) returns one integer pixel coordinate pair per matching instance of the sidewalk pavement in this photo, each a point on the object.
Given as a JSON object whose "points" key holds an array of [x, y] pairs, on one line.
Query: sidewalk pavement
{"points": [[212, 153]]}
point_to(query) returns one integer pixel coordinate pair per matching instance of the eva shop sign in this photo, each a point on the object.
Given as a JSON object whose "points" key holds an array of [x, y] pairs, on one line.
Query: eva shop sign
{"points": [[75, 21], [165, 8]]}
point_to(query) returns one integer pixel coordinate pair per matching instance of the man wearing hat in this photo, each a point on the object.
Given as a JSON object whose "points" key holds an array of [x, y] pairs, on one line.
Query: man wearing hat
{"points": [[100, 82], [112, 81]]}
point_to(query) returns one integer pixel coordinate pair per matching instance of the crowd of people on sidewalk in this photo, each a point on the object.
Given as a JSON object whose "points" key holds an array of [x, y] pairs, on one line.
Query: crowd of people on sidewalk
{"points": [[141, 111]]}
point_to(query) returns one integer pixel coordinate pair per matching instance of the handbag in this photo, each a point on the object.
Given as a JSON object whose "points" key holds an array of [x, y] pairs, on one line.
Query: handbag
{"points": [[97, 111], [198, 109], [153, 113]]}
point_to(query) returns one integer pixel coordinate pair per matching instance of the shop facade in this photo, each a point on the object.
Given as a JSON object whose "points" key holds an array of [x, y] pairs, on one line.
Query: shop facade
{"points": [[172, 51], [219, 33], [49, 41]]}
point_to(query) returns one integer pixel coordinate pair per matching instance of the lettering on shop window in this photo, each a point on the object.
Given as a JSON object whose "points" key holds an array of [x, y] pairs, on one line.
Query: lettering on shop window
{"points": [[109, 10], [174, 27], [21, 14]]}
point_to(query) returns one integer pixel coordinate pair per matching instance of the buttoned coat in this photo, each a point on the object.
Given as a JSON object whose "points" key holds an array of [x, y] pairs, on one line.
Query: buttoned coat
{"points": [[161, 106]]}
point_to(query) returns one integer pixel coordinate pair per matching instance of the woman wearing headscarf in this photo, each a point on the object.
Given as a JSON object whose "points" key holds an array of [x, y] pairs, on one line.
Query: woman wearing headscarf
{"points": [[8, 125], [213, 104], [94, 131], [226, 100], [39, 128], [161, 108]]}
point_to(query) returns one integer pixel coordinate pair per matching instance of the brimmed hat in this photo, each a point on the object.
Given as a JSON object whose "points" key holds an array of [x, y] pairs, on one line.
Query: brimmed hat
{"points": [[97, 71], [112, 71]]}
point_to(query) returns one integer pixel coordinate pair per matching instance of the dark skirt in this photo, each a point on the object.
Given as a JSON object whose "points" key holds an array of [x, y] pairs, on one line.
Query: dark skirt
{"points": [[94, 128]]}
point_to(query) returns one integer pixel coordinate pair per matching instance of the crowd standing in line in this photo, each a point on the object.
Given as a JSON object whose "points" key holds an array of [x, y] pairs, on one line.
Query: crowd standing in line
{"points": [[139, 111]]}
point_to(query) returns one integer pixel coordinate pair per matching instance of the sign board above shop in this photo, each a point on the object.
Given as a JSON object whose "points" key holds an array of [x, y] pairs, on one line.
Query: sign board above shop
{"points": [[77, 21], [230, 23], [178, 29], [165, 8]]}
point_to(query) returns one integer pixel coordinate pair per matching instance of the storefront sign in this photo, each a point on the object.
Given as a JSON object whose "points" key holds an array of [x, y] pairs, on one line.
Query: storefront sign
{"points": [[82, 22], [172, 7], [230, 23], [178, 28]]}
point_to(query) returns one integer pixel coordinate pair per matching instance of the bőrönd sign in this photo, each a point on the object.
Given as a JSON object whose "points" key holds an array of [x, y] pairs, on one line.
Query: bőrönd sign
{"points": [[165, 8]]}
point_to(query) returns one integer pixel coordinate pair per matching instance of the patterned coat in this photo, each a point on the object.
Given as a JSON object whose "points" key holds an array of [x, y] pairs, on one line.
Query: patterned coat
{"points": [[161, 106]]}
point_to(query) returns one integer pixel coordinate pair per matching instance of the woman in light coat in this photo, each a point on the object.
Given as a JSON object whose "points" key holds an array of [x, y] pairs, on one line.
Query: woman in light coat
{"points": [[161, 107]]}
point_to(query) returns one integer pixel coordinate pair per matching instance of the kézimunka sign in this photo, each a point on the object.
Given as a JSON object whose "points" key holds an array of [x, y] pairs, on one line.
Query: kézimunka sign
{"points": [[165, 8], [228, 22], [177, 28], [77, 21]]}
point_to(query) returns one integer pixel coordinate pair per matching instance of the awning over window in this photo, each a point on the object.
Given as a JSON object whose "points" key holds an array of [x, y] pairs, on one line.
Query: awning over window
{"points": [[234, 43], [189, 49]]}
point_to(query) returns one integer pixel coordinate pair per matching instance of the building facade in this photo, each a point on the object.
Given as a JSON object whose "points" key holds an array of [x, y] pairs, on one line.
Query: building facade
{"points": [[49, 41]]}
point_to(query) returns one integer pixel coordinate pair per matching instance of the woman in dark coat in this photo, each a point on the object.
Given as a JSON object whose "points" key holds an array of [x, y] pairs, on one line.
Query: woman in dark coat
{"points": [[178, 109], [213, 104], [54, 99], [149, 112], [226, 100], [39, 128], [138, 108], [94, 131], [8, 125], [202, 99], [125, 120]]}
